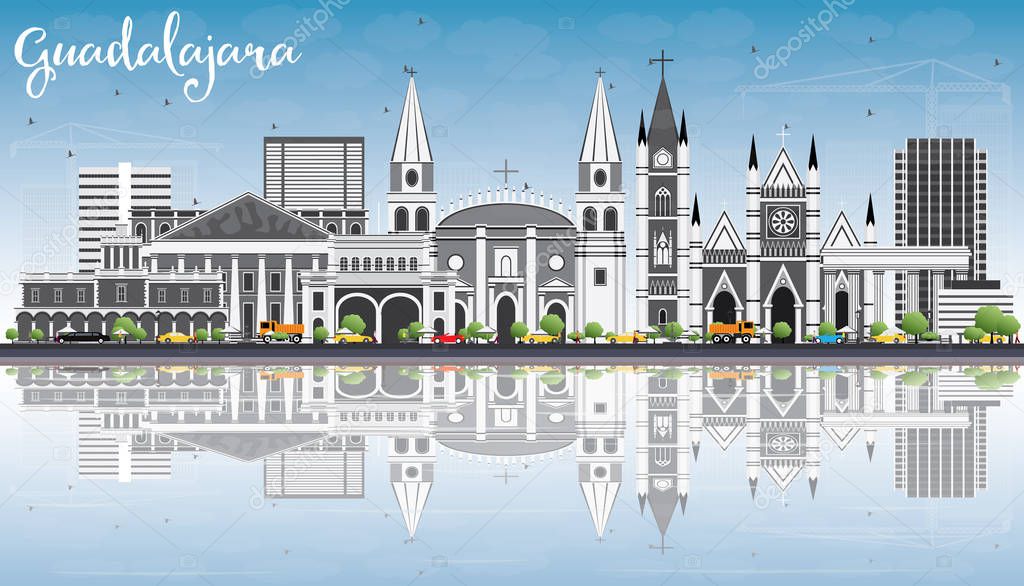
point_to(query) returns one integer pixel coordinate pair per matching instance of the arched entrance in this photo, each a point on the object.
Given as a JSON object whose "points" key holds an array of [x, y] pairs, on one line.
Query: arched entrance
{"points": [[505, 316], [439, 325], [784, 309], [397, 312], [557, 308], [362, 306], [723, 310], [460, 316], [842, 309]]}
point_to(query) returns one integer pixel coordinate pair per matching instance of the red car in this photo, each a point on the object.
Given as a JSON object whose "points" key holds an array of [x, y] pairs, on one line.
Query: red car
{"points": [[447, 339]]}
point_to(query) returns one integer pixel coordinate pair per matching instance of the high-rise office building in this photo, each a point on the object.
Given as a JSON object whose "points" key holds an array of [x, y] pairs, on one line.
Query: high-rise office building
{"points": [[314, 172], [106, 195], [941, 200]]}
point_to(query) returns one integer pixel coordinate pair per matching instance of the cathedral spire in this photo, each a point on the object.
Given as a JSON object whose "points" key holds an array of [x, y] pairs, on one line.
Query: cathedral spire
{"points": [[600, 497], [752, 163], [642, 138], [870, 220], [411, 145], [599, 144], [412, 499], [663, 122], [683, 138], [695, 221], [812, 163]]}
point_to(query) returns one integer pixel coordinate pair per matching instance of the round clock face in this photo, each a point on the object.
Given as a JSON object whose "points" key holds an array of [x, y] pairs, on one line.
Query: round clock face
{"points": [[783, 444], [455, 262], [662, 159], [556, 262], [782, 222]]}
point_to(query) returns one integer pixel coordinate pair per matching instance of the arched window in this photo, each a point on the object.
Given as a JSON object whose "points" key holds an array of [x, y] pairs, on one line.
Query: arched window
{"points": [[611, 445], [662, 316], [332, 228], [401, 263], [401, 220], [414, 264], [378, 264], [366, 263], [390, 264], [355, 229], [663, 251], [662, 202], [165, 228], [589, 445], [355, 263], [505, 270], [611, 220], [140, 231], [589, 219], [343, 264], [422, 220]]}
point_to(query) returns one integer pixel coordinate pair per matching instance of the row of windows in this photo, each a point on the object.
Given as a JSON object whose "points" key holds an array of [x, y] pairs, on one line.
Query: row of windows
{"points": [[611, 219], [58, 295], [402, 220], [379, 264], [183, 297]]}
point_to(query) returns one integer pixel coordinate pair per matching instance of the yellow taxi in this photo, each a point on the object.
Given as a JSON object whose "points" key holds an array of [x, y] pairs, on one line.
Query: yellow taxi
{"points": [[175, 337], [540, 338], [353, 339], [631, 338], [987, 339], [890, 338]]}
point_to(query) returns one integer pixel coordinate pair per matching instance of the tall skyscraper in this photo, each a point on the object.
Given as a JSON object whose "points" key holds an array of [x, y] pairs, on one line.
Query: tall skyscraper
{"points": [[314, 172], [106, 196], [941, 200]]}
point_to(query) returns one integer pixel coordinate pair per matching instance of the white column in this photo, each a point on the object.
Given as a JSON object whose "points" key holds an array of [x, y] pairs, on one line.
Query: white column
{"points": [[480, 309], [261, 288], [289, 299], [531, 315], [207, 263], [869, 312], [234, 302]]}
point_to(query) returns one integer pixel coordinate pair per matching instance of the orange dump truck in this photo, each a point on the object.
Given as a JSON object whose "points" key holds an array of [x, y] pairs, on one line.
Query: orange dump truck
{"points": [[728, 333], [293, 331]]}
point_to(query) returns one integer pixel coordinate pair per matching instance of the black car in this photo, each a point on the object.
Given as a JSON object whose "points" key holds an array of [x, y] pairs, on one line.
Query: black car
{"points": [[82, 337]]}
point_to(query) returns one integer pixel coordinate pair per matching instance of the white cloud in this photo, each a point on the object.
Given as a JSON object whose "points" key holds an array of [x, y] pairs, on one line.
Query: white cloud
{"points": [[511, 48], [630, 27], [941, 27], [722, 27], [402, 32]]}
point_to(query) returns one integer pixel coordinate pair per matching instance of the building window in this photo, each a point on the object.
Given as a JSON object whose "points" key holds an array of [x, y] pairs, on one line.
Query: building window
{"points": [[275, 282], [422, 220], [121, 397], [505, 268], [600, 177], [248, 282], [80, 295], [184, 295], [34, 295], [600, 408], [366, 264], [401, 220], [275, 312], [401, 263], [318, 300], [414, 264], [390, 265], [662, 202], [438, 300], [611, 220], [412, 177], [121, 293], [355, 229], [600, 277], [378, 264], [343, 264], [662, 316], [589, 219], [355, 263], [161, 295], [58, 295], [332, 228], [207, 296]]}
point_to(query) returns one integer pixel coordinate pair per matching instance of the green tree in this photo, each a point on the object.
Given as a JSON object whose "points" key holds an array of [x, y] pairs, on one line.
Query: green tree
{"points": [[518, 330], [914, 378], [218, 334], [878, 328], [673, 330], [403, 334], [781, 330], [576, 336], [552, 325], [827, 328], [694, 338], [320, 333], [473, 329], [808, 338], [354, 322], [593, 330], [463, 332], [279, 336], [914, 323], [414, 329], [202, 335], [1008, 326], [987, 319], [37, 335], [12, 334], [973, 334]]}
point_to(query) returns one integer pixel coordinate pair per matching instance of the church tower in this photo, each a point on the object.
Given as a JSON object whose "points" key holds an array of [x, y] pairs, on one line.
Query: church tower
{"points": [[411, 462], [662, 215], [600, 239], [412, 200], [600, 434]]}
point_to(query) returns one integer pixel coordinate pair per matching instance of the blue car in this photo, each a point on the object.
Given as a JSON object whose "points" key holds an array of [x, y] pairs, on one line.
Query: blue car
{"points": [[830, 339]]}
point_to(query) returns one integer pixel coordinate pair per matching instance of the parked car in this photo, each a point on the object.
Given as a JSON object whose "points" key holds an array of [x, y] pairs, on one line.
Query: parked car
{"points": [[540, 338], [447, 339], [890, 338], [98, 337], [830, 339], [353, 339], [175, 337], [631, 338], [987, 339]]}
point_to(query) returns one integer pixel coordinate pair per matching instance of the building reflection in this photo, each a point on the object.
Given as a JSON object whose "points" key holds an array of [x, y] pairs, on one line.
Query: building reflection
{"points": [[309, 426]]}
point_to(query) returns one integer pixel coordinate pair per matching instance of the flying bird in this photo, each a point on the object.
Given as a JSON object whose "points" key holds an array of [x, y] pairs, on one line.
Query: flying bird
{"points": [[70, 487], [166, 520], [273, 125], [525, 186], [753, 49], [30, 510], [286, 552], [70, 154], [386, 110], [997, 63], [31, 121], [870, 113], [195, 202], [871, 39], [421, 22], [166, 102], [117, 92], [785, 126], [611, 86]]}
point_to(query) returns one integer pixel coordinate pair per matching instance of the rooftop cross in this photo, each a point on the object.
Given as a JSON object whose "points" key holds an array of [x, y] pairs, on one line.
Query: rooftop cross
{"points": [[783, 134], [661, 60], [600, 72], [506, 476], [506, 171], [412, 71]]}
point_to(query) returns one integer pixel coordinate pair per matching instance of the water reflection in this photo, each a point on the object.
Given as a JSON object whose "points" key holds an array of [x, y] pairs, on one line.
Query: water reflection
{"points": [[309, 426]]}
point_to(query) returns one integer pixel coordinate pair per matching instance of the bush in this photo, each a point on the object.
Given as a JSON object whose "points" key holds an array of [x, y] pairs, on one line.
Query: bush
{"points": [[218, 335], [202, 335], [973, 333], [403, 334], [914, 323], [37, 335], [518, 330], [354, 323], [808, 338], [987, 319], [474, 333], [1008, 326], [415, 328], [929, 336], [694, 338], [673, 330], [12, 334], [552, 325], [279, 336], [593, 330], [320, 333], [827, 328], [781, 330], [878, 328]]}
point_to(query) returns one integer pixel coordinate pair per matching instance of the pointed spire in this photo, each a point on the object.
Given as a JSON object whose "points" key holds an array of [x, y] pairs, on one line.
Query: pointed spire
{"points": [[642, 138], [695, 446], [411, 144], [663, 122], [695, 221], [600, 144], [682, 503], [643, 502], [752, 163], [814, 486], [871, 450], [870, 220], [812, 163], [753, 487], [683, 138], [412, 499], [600, 497]]}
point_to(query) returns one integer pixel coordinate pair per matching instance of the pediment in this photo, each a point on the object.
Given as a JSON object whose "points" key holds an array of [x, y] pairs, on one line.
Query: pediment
{"points": [[247, 217], [555, 283], [783, 172], [841, 235], [724, 236]]}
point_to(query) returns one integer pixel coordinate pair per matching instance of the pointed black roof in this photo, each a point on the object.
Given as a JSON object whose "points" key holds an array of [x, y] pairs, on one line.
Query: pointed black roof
{"points": [[642, 138], [683, 138], [662, 132], [695, 221], [752, 164], [870, 220], [812, 163]]}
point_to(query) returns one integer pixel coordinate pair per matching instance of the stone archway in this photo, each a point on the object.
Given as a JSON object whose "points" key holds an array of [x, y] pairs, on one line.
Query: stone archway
{"points": [[842, 312], [460, 316], [362, 305], [396, 312], [723, 310], [505, 315], [784, 309], [557, 308]]}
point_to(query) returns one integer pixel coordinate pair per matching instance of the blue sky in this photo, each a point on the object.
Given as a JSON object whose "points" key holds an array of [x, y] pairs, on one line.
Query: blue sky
{"points": [[516, 81]]}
